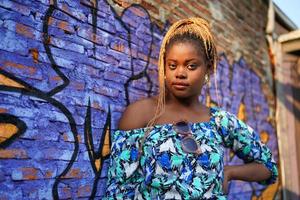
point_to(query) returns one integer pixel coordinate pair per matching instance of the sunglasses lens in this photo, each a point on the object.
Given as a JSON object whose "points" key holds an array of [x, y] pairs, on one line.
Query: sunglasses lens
{"points": [[190, 144], [182, 127]]}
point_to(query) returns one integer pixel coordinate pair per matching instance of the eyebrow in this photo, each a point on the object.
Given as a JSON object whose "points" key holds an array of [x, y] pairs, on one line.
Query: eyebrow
{"points": [[191, 59], [184, 61]]}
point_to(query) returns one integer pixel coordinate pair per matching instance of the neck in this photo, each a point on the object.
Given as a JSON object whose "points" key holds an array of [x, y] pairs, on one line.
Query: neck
{"points": [[190, 102]]}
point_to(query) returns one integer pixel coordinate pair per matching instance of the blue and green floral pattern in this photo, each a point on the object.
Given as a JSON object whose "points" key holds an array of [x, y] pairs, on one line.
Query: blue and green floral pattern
{"points": [[165, 171]]}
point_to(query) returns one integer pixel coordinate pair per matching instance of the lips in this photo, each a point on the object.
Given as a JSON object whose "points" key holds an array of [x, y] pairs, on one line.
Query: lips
{"points": [[180, 85]]}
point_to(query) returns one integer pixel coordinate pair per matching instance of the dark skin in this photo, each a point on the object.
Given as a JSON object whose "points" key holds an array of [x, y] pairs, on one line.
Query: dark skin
{"points": [[185, 71]]}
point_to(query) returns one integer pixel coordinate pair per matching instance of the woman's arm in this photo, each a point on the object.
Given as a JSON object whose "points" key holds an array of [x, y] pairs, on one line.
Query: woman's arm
{"points": [[247, 172], [245, 143]]}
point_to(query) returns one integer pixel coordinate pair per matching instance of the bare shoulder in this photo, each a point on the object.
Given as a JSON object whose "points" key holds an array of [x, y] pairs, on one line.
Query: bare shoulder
{"points": [[138, 114]]}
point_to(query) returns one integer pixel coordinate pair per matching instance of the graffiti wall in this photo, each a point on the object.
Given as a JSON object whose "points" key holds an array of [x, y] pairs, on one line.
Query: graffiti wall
{"points": [[68, 69]]}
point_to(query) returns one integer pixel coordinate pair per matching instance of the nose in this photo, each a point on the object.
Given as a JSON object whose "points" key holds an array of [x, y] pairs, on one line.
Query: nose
{"points": [[181, 73]]}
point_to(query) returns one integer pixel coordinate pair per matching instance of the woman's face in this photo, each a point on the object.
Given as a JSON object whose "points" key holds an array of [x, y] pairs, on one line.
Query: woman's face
{"points": [[185, 69]]}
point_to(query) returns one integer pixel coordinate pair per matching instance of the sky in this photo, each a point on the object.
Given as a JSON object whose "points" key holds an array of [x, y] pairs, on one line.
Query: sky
{"points": [[291, 8]]}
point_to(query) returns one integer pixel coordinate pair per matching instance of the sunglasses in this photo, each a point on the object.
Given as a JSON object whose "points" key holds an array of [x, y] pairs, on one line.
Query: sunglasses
{"points": [[188, 143]]}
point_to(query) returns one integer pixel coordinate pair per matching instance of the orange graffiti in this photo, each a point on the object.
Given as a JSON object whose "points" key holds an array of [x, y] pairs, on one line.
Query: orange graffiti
{"points": [[8, 82], [98, 164], [35, 54], [242, 112], [264, 137], [6, 131], [3, 110], [106, 147], [119, 47], [269, 193]]}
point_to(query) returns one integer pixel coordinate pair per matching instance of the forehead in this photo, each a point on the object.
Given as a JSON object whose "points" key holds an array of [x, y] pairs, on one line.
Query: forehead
{"points": [[184, 49]]}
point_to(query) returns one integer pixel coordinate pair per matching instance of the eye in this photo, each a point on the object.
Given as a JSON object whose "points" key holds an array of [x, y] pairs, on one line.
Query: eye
{"points": [[172, 66], [192, 66]]}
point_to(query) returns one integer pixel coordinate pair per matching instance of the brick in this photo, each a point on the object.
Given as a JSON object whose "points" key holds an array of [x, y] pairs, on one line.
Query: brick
{"points": [[88, 34], [201, 8], [91, 71], [102, 24], [107, 59], [72, 56], [84, 41], [64, 63], [67, 45], [49, 174], [74, 173], [61, 24], [105, 168], [106, 91], [45, 193], [7, 194], [75, 12], [66, 155], [150, 7], [13, 153], [84, 191], [15, 7], [10, 42], [10, 25], [58, 116], [26, 173], [27, 31], [122, 3], [22, 112], [29, 69], [115, 77], [65, 192], [56, 154], [105, 7], [68, 136], [80, 86], [102, 186]]}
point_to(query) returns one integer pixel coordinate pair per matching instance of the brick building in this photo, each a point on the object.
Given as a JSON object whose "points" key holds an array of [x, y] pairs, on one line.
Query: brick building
{"points": [[69, 68]]}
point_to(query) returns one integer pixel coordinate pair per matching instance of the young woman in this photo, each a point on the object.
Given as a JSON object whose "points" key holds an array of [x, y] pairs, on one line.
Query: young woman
{"points": [[171, 146]]}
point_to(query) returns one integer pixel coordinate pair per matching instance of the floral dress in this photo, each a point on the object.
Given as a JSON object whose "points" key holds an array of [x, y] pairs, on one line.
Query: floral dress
{"points": [[165, 171]]}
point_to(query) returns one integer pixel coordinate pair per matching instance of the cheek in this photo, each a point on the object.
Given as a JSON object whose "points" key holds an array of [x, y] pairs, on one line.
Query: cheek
{"points": [[198, 80], [168, 79], [168, 75]]}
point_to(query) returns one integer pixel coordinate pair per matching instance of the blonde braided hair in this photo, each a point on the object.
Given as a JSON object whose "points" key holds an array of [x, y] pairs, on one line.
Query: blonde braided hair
{"points": [[197, 27]]}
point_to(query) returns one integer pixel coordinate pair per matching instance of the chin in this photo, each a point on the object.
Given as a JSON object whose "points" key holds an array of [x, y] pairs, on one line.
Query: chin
{"points": [[182, 95]]}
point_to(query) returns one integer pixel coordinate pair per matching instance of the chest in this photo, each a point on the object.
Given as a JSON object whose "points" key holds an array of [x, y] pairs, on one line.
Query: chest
{"points": [[173, 116], [164, 148]]}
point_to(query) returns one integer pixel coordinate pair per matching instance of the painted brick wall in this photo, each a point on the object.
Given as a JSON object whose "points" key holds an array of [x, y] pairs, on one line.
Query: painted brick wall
{"points": [[69, 68]]}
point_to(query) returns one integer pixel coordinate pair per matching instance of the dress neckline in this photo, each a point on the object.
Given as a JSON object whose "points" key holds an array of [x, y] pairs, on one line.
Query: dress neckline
{"points": [[211, 119]]}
